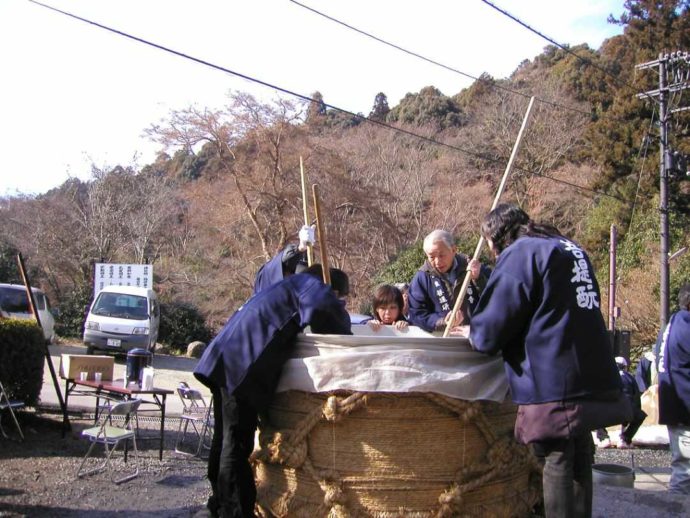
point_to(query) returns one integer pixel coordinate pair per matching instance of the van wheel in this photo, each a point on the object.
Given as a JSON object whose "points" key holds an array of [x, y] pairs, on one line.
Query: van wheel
{"points": [[89, 350]]}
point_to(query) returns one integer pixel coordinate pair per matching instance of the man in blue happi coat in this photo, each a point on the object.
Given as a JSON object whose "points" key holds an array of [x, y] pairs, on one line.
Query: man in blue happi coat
{"points": [[540, 309], [673, 365], [436, 285], [242, 366], [292, 259]]}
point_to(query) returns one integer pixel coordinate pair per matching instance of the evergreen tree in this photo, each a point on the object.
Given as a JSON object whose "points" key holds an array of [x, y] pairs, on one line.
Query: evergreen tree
{"points": [[316, 112], [429, 106], [380, 110], [9, 270]]}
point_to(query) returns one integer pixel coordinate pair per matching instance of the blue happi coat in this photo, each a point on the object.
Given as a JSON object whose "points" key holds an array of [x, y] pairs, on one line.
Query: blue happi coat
{"points": [[252, 347], [540, 308], [673, 363], [270, 273], [432, 295]]}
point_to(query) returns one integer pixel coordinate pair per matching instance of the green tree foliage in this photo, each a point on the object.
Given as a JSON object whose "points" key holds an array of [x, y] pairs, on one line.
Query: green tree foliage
{"points": [[72, 309], [316, 111], [469, 98], [428, 107], [380, 110], [650, 28], [22, 357], [181, 324], [403, 267], [654, 26], [9, 271], [339, 120]]}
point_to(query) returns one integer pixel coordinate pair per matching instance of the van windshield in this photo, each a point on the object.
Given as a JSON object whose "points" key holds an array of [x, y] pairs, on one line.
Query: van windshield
{"points": [[121, 305]]}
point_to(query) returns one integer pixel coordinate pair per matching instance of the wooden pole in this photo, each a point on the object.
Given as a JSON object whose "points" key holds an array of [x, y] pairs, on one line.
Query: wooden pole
{"points": [[310, 251], [477, 251], [322, 236], [46, 351]]}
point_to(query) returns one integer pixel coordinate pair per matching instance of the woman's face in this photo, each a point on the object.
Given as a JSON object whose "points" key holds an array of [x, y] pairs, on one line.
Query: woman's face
{"points": [[388, 313]]}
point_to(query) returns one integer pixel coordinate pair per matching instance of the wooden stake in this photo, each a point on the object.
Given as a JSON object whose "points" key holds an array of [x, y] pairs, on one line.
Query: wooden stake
{"points": [[32, 302], [322, 236], [477, 251], [310, 251]]}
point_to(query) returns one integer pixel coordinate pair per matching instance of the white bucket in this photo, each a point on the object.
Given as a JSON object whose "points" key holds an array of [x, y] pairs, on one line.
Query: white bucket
{"points": [[613, 475]]}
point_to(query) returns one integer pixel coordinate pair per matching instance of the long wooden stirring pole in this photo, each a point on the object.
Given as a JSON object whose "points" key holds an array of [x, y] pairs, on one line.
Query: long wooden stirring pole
{"points": [[322, 236], [477, 251], [310, 252]]}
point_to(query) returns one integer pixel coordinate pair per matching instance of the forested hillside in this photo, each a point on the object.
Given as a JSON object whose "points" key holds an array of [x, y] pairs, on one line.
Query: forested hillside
{"points": [[224, 194]]}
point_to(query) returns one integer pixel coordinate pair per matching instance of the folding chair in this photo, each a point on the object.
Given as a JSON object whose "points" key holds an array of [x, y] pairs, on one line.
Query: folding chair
{"points": [[110, 433], [197, 413], [9, 404]]}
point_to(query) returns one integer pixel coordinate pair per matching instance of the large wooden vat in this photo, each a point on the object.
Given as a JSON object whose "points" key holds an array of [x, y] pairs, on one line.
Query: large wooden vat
{"points": [[350, 453]]}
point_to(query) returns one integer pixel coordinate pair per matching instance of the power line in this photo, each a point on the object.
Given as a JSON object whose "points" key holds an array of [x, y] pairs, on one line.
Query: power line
{"points": [[589, 62], [644, 145], [434, 62], [309, 99]]}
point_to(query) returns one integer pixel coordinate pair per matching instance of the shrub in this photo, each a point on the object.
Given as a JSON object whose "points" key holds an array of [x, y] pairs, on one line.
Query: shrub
{"points": [[181, 324], [72, 312], [22, 356]]}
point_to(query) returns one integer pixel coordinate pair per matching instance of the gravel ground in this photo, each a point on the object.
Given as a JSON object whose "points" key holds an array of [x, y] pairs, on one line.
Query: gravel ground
{"points": [[37, 478]]}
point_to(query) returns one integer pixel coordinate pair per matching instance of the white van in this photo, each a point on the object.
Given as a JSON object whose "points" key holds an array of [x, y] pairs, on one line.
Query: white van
{"points": [[122, 318], [15, 304]]}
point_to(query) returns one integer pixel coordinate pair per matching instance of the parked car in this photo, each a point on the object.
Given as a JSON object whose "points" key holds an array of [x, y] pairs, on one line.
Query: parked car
{"points": [[122, 318], [15, 304]]}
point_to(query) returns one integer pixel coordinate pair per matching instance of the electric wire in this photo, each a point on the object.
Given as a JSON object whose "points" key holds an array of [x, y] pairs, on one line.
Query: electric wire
{"points": [[309, 99], [589, 62], [645, 145], [437, 63]]}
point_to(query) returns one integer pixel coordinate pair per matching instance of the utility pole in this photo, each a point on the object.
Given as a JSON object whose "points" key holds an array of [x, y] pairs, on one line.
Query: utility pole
{"points": [[672, 66]]}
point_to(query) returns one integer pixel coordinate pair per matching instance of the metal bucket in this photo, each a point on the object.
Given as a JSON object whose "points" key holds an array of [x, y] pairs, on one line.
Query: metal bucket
{"points": [[613, 475]]}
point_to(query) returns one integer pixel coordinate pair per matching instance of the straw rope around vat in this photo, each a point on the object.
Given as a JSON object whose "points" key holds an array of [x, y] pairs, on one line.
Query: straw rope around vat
{"points": [[414, 455]]}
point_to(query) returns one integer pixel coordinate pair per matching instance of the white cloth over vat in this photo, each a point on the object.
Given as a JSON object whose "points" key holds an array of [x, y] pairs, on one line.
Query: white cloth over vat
{"points": [[393, 361]]}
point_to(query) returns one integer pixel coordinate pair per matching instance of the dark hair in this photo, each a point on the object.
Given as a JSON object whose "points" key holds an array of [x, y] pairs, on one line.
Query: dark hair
{"points": [[507, 223], [387, 294], [339, 279], [684, 296]]}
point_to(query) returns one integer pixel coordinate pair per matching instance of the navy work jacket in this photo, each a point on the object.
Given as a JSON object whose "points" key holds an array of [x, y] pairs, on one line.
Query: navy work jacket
{"points": [[273, 271], [673, 361], [254, 344], [270, 273], [432, 296], [540, 308]]}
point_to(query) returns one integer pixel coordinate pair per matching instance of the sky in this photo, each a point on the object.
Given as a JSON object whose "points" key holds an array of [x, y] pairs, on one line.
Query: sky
{"points": [[74, 95]]}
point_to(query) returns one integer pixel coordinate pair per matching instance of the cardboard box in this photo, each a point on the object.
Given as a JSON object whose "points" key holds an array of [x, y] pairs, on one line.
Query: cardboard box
{"points": [[73, 364]]}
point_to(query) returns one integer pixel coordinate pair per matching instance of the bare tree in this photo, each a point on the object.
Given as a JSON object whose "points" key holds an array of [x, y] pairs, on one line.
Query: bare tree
{"points": [[257, 169], [553, 134]]}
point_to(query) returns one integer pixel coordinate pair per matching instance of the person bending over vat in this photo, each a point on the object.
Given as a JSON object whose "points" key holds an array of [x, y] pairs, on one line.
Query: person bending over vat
{"points": [[673, 366], [387, 306], [436, 285], [242, 366], [292, 259], [540, 309]]}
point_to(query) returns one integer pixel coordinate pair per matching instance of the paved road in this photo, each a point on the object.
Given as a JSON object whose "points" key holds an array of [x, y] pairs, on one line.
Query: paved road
{"points": [[168, 372]]}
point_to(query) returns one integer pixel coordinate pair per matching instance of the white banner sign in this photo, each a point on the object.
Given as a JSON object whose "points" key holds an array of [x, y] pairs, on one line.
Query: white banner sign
{"points": [[139, 275]]}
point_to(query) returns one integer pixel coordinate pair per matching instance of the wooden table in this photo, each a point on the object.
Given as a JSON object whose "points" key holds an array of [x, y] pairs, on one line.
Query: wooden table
{"points": [[116, 389]]}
